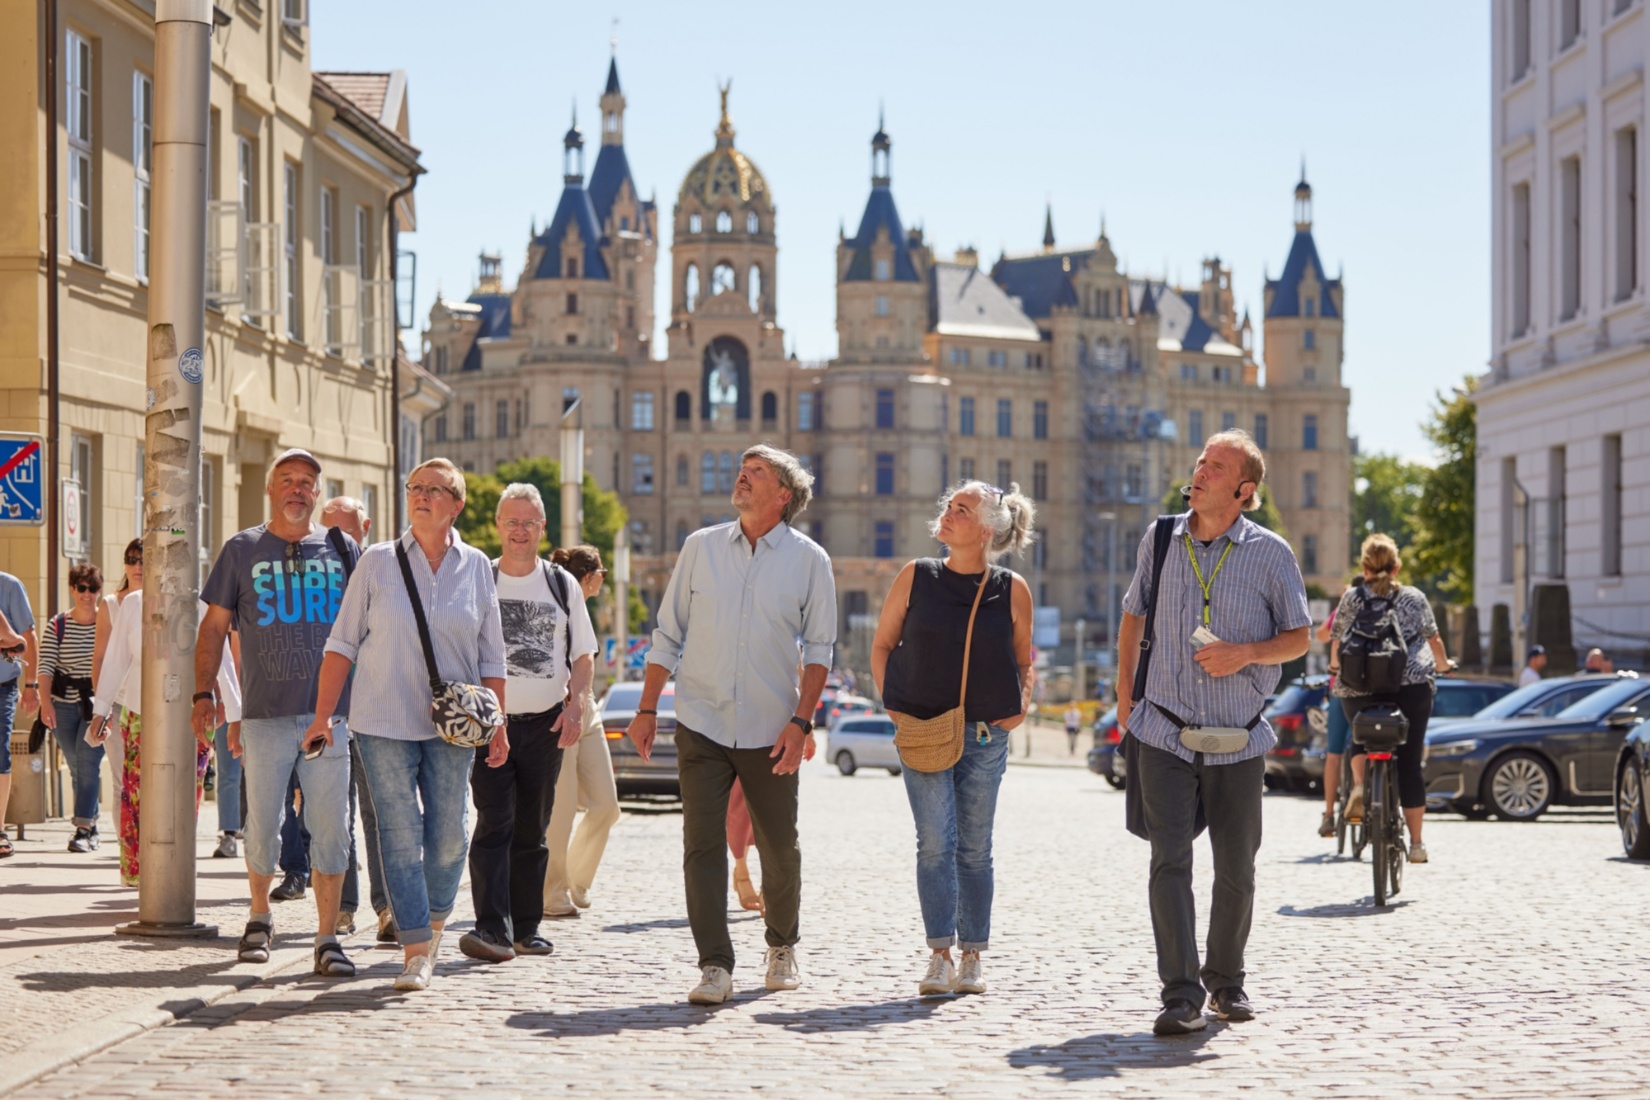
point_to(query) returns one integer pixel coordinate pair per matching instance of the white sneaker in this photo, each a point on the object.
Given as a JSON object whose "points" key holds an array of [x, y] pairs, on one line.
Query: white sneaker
{"points": [[558, 904], [715, 986], [969, 978], [782, 971], [940, 977], [580, 898], [415, 976]]}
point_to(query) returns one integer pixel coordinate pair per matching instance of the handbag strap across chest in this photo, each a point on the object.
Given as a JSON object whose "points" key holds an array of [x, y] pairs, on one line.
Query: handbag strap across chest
{"points": [[968, 637], [418, 614]]}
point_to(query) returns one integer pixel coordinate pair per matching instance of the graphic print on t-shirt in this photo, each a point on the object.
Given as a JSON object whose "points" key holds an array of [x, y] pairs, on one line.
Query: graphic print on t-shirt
{"points": [[530, 629]]}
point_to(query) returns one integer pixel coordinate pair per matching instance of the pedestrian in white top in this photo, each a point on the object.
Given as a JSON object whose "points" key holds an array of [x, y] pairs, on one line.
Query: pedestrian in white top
{"points": [[1534, 663]]}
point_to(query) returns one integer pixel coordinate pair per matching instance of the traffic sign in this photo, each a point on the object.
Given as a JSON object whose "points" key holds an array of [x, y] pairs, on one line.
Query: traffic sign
{"points": [[21, 480], [74, 532]]}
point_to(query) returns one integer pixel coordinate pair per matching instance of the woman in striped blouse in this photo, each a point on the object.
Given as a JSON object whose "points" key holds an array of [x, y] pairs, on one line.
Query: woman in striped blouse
{"points": [[65, 679]]}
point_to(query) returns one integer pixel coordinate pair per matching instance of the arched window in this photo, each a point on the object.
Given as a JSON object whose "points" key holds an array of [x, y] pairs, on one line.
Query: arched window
{"points": [[753, 286], [752, 222], [682, 471], [770, 406], [707, 472], [695, 224], [724, 222], [572, 267], [726, 472], [684, 406], [690, 287], [722, 278]]}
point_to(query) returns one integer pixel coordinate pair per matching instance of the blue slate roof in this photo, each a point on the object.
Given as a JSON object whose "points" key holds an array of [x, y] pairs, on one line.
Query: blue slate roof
{"points": [[612, 77], [880, 213], [1198, 333], [612, 170], [575, 208], [495, 322], [1303, 257], [1041, 282]]}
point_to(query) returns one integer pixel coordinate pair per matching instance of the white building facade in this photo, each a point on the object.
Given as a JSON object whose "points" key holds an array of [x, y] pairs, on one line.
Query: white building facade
{"points": [[1564, 413]]}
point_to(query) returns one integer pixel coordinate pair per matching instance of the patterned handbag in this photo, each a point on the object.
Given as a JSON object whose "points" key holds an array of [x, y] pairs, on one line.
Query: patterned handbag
{"points": [[934, 744], [466, 715]]}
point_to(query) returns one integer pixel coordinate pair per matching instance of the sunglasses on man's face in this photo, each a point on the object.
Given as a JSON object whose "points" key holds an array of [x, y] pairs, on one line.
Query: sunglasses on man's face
{"points": [[88, 588]]}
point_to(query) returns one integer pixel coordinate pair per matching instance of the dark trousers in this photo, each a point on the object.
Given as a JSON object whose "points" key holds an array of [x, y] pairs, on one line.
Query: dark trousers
{"points": [[1171, 789], [351, 900], [294, 837], [508, 858], [1415, 700], [707, 771]]}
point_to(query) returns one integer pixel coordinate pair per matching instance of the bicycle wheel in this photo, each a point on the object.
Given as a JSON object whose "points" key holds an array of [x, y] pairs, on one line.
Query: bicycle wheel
{"points": [[1394, 824], [1341, 824], [1380, 837]]}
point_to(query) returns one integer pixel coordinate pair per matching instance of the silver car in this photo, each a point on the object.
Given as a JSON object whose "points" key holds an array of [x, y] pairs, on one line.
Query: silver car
{"points": [[862, 741], [632, 774]]}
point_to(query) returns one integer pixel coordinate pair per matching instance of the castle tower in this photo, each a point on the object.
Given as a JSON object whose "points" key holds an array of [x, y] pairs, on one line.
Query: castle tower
{"points": [[882, 276]]}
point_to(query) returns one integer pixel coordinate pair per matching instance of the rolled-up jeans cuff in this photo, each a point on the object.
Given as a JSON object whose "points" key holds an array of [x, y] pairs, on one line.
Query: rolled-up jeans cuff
{"points": [[440, 915], [409, 936], [976, 947], [940, 943]]}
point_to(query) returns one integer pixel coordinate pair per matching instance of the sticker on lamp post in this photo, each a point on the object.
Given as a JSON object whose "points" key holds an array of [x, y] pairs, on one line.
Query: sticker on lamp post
{"points": [[189, 365]]}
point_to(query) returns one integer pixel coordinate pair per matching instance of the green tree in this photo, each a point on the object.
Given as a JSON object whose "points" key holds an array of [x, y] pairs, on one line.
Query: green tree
{"points": [[1443, 523], [1267, 515]]}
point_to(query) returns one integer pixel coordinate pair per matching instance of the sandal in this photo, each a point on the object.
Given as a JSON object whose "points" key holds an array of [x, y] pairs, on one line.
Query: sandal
{"points": [[255, 942], [5, 845], [331, 962], [749, 896], [1326, 827]]}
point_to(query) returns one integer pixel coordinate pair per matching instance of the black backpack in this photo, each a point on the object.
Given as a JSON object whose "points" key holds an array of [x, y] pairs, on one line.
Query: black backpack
{"points": [[1373, 654], [556, 577]]}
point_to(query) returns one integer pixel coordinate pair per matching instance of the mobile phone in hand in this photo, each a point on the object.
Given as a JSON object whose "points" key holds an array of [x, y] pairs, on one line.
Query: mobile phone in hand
{"points": [[316, 749]]}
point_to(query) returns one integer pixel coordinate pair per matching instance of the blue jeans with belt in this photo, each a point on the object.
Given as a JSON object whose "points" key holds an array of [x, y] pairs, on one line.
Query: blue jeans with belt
{"points": [[955, 810], [85, 761]]}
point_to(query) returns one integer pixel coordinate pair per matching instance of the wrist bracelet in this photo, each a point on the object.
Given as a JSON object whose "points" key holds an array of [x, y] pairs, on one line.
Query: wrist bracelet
{"points": [[655, 713], [200, 695]]}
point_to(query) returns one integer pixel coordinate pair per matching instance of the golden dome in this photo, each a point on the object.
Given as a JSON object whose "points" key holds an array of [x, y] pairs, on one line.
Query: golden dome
{"points": [[724, 173]]}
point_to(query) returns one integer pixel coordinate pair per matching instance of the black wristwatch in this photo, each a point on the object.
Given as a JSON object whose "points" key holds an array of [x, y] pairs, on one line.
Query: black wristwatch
{"points": [[807, 726], [204, 696]]}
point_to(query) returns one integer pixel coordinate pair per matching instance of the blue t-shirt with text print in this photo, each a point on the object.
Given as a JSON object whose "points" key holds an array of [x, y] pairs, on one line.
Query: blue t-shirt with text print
{"points": [[284, 597]]}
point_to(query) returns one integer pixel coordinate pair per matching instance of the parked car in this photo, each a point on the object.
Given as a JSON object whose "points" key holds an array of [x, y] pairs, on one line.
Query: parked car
{"points": [[632, 774], [1300, 720], [1542, 699], [1104, 759], [1518, 769], [862, 740], [1459, 697], [1632, 801]]}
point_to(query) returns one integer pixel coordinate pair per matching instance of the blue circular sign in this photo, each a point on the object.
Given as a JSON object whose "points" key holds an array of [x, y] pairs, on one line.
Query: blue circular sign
{"points": [[189, 365]]}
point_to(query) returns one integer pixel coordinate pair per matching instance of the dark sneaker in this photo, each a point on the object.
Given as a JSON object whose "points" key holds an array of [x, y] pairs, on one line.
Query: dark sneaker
{"points": [[81, 841], [255, 942], [1179, 1018], [534, 945], [93, 839], [1231, 1004], [290, 889], [345, 925], [486, 946], [386, 927]]}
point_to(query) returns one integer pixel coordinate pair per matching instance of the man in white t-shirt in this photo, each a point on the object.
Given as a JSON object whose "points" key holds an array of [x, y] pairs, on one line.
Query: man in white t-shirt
{"points": [[549, 656], [1534, 662]]}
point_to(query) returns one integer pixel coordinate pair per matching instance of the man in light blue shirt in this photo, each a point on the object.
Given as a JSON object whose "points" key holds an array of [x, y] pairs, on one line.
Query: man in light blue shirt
{"points": [[749, 604]]}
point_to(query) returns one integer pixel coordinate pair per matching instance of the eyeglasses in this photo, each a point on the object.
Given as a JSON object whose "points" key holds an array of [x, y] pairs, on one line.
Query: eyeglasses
{"points": [[134, 559], [88, 588], [521, 524], [428, 492], [294, 554]]}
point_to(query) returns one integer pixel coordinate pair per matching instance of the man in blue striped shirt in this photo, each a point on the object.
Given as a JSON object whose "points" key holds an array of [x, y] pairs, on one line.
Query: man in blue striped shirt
{"points": [[1230, 610]]}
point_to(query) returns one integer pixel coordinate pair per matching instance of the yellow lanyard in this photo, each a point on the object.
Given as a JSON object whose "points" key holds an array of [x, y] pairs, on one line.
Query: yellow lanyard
{"points": [[1209, 584]]}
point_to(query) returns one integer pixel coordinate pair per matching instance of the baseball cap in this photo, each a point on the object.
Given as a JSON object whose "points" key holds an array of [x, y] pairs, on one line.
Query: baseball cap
{"points": [[1536, 651], [297, 454]]}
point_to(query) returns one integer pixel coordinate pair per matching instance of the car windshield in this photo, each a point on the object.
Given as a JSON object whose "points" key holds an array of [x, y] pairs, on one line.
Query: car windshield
{"points": [[1600, 703], [622, 697], [1515, 702]]}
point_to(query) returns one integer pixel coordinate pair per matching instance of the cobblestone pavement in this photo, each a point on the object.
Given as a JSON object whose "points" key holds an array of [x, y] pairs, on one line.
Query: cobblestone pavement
{"points": [[1512, 966]]}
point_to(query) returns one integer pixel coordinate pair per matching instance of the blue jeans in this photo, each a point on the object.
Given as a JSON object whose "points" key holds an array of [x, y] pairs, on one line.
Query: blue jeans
{"points": [[294, 834], [229, 783], [954, 812], [1340, 730], [8, 712], [85, 761], [351, 900], [271, 755], [421, 850]]}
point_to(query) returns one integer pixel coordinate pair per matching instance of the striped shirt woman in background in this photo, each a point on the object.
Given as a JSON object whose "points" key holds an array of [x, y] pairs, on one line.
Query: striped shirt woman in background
{"points": [[65, 680]]}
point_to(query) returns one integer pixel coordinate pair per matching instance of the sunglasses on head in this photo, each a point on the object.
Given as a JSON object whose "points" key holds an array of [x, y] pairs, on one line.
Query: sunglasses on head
{"points": [[88, 588]]}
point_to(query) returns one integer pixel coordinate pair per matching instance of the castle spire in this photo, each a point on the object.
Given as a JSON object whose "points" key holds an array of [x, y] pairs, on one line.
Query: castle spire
{"points": [[1048, 226]]}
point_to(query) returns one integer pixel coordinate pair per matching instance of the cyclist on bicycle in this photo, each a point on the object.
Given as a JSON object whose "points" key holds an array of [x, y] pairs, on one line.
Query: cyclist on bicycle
{"points": [[1380, 564]]}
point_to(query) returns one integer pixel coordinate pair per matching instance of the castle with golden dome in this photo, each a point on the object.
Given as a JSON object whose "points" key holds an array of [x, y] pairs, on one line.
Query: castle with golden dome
{"points": [[1091, 388]]}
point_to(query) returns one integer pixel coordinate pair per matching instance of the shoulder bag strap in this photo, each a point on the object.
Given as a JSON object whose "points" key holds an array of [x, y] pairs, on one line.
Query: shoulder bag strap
{"points": [[1162, 539], [557, 584], [418, 613], [968, 638], [336, 538]]}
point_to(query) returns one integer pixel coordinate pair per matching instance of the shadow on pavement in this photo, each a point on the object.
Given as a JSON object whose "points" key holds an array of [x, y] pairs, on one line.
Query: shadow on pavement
{"points": [[866, 1017], [1364, 908], [1091, 1057], [59, 981], [611, 1021], [648, 925], [1327, 857]]}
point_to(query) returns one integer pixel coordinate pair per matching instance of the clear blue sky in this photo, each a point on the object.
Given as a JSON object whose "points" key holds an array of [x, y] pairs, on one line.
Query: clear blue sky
{"points": [[1184, 124]]}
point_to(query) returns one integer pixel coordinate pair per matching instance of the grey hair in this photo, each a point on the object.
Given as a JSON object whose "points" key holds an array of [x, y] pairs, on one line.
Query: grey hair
{"points": [[345, 504], [1009, 514], [521, 490], [1254, 463], [791, 476]]}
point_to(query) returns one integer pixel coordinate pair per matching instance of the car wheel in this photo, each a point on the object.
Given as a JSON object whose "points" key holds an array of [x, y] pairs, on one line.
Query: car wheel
{"points": [[1474, 813], [1519, 787], [1116, 783], [893, 771], [1630, 815], [845, 762]]}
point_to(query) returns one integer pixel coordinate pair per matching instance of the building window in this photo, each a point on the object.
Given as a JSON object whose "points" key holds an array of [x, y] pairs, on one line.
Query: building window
{"points": [[369, 501], [1309, 432], [292, 236], [882, 270], [753, 287], [684, 408], [1188, 372], [469, 420], [143, 125], [1309, 489], [1627, 212], [82, 472], [363, 272], [965, 416], [690, 286], [521, 416], [1005, 474], [960, 357], [1134, 481], [1039, 481], [1509, 517], [884, 539], [1260, 431], [1555, 511], [722, 279], [1039, 420], [1194, 428], [681, 471], [1309, 375], [641, 412], [1520, 41], [1309, 339], [1309, 554], [817, 468], [78, 123], [885, 408], [724, 222], [441, 428], [1228, 421], [1569, 23], [572, 339], [1610, 507], [695, 224], [681, 533], [501, 419], [965, 469], [330, 291], [727, 468], [707, 473], [1520, 229], [1309, 307], [882, 305], [570, 267], [807, 408], [1569, 260], [885, 474], [770, 408], [641, 474], [1005, 418]]}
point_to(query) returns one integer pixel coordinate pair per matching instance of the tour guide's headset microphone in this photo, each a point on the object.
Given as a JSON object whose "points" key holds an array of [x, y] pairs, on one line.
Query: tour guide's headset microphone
{"points": [[1186, 493]]}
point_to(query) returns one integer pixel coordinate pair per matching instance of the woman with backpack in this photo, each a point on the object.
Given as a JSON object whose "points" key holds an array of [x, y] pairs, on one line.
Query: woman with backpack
{"points": [[1385, 649]]}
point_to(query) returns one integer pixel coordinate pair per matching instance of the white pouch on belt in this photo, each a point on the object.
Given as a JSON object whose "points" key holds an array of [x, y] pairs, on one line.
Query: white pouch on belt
{"points": [[1214, 740]]}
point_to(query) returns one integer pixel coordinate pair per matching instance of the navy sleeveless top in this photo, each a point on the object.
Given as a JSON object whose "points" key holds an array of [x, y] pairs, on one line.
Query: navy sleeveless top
{"points": [[924, 671]]}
